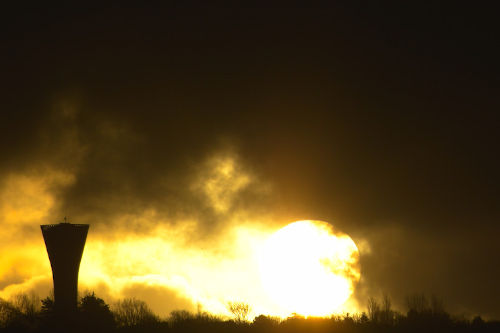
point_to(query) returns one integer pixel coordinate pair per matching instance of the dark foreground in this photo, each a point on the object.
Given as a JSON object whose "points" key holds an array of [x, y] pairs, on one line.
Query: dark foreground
{"points": [[130, 315]]}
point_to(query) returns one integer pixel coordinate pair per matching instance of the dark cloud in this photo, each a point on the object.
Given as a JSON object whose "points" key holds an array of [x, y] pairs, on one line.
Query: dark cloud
{"points": [[373, 118], [455, 265]]}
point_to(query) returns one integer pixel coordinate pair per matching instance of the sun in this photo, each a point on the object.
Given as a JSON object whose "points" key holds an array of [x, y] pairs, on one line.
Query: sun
{"points": [[309, 269]]}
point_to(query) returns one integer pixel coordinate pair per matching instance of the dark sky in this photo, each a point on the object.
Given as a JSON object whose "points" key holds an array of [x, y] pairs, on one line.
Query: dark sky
{"points": [[382, 119]]}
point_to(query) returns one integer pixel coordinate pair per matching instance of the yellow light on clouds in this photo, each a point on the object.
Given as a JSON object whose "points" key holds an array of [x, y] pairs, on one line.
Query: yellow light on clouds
{"points": [[304, 267]]}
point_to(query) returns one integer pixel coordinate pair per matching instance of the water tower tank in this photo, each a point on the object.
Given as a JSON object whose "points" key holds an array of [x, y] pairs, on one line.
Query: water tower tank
{"points": [[65, 243]]}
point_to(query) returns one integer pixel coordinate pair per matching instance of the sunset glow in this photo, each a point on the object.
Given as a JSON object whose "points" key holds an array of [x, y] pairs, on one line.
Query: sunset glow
{"points": [[308, 269], [304, 267], [192, 166]]}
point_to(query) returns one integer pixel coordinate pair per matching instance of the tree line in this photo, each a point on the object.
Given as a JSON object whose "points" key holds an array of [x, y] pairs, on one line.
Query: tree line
{"points": [[29, 313]]}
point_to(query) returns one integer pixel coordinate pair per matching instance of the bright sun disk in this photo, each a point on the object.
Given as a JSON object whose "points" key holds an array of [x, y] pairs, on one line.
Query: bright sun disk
{"points": [[309, 269]]}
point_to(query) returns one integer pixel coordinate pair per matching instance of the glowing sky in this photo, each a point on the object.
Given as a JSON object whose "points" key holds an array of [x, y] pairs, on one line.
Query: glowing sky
{"points": [[161, 263], [189, 134]]}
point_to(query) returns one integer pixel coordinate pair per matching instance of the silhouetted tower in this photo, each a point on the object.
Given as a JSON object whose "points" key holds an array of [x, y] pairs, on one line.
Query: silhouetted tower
{"points": [[65, 243]]}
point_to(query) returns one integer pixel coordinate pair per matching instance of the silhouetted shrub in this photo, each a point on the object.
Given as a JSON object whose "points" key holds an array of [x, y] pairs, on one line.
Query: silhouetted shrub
{"points": [[47, 308], [184, 321], [266, 321]]}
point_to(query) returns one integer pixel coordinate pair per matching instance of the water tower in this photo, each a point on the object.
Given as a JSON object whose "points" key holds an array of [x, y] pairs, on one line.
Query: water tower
{"points": [[65, 243]]}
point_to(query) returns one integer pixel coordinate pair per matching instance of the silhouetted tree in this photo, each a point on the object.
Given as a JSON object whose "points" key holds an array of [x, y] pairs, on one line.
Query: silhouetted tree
{"points": [[417, 304], [131, 312], [8, 313], [437, 305], [373, 310], [386, 313], [240, 310], [22, 314], [182, 320], [47, 314], [478, 324], [94, 314], [177, 316], [27, 304]]}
